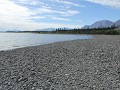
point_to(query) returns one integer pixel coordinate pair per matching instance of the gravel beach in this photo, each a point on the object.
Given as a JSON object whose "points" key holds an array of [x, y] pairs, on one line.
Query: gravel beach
{"points": [[91, 64]]}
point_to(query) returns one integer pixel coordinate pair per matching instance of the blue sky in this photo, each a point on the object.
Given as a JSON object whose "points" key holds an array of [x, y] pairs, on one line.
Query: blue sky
{"points": [[38, 14]]}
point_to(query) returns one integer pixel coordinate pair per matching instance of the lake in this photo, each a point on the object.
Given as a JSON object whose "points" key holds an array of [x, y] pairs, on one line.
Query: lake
{"points": [[17, 40]]}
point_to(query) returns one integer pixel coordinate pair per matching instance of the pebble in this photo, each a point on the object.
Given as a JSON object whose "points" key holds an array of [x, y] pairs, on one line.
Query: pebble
{"points": [[78, 64]]}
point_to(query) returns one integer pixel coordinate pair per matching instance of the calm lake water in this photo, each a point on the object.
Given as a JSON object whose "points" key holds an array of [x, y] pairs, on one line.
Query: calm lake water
{"points": [[17, 40]]}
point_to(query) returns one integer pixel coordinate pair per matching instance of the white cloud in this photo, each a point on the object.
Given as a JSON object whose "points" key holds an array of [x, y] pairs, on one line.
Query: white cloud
{"points": [[62, 19], [30, 2], [69, 12], [39, 2], [38, 17], [15, 16], [43, 10], [9, 8], [69, 3], [112, 3], [52, 11], [10, 12]]}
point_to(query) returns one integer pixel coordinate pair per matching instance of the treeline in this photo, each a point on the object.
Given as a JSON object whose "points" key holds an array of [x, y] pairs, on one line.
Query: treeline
{"points": [[107, 31]]}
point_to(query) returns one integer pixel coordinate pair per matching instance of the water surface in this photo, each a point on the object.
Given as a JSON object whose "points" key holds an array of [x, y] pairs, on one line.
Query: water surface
{"points": [[18, 40]]}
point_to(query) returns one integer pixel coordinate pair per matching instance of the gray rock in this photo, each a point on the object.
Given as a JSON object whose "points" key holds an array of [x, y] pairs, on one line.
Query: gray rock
{"points": [[91, 64]]}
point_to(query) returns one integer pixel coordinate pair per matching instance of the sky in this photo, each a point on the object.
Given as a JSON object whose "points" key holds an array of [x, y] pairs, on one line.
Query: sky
{"points": [[38, 14]]}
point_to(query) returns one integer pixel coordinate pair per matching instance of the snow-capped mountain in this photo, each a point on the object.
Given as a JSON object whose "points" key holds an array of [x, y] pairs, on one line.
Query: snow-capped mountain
{"points": [[102, 24]]}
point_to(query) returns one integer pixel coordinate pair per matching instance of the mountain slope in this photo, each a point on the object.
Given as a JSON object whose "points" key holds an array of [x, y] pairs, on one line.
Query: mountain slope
{"points": [[117, 23], [85, 27], [101, 24]]}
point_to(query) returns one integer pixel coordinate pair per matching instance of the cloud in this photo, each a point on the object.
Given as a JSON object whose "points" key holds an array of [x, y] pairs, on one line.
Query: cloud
{"points": [[10, 12], [112, 3], [69, 3], [45, 9], [11, 9], [29, 2], [16, 14], [37, 17], [62, 19], [41, 2], [69, 12]]}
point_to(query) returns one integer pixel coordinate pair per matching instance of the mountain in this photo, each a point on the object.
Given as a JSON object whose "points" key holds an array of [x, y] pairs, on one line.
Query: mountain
{"points": [[46, 29], [85, 27], [99, 24], [52, 29], [102, 24], [117, 23]]}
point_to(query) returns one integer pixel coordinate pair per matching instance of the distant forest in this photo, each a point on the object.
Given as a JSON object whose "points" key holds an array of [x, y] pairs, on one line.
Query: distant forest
{"points": [[107, 31]]}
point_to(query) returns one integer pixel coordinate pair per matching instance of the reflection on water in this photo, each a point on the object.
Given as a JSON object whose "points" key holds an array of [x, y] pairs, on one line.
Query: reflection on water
{"points": [[17, 40]]}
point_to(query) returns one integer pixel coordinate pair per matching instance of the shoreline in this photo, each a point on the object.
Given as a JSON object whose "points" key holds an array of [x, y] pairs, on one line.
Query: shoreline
{"points": [[90, 64], [19, 47], [13, 43]]}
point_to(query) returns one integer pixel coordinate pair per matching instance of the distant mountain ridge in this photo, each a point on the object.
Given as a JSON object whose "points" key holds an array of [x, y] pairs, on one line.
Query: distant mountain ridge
{"points": [[51, 29], [46, 29], [102, 24]]}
